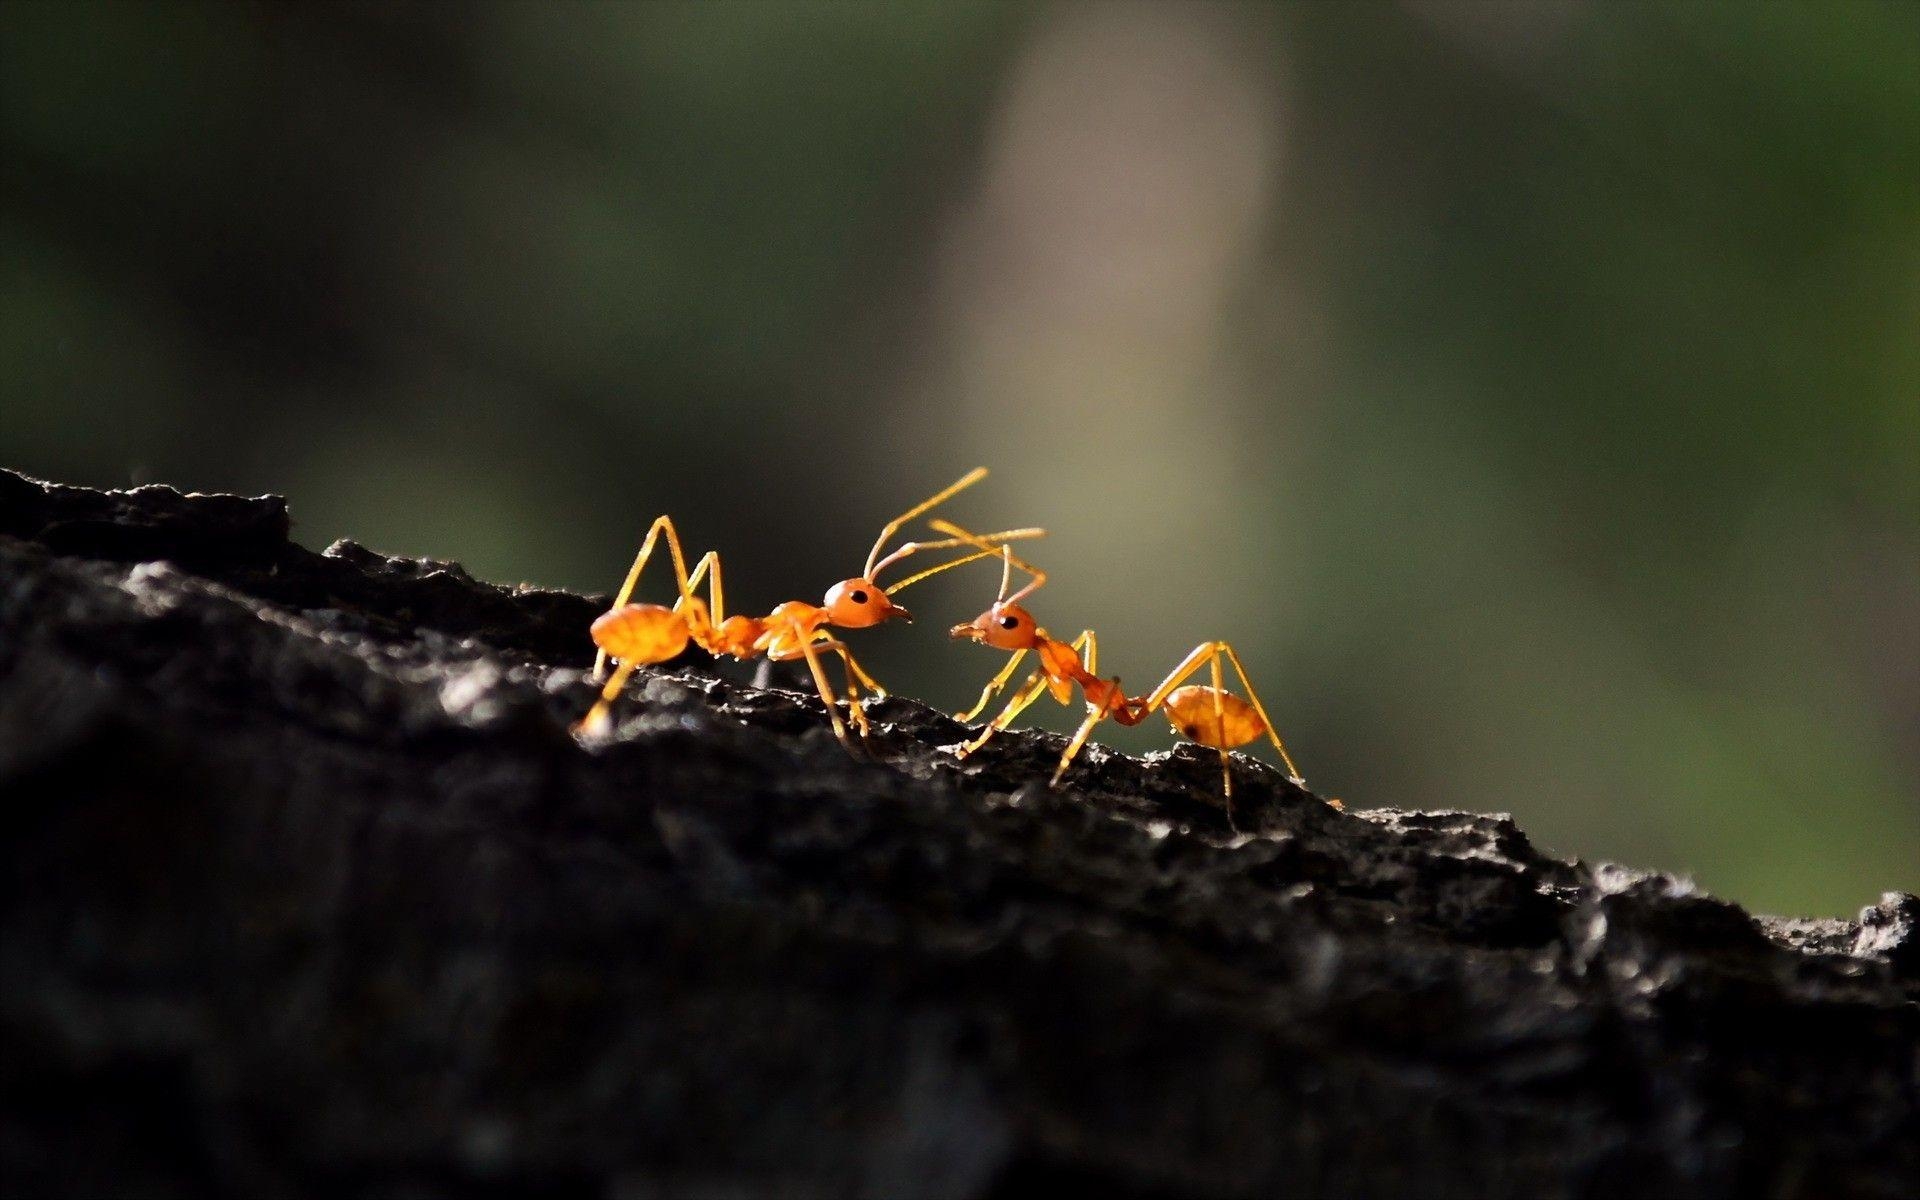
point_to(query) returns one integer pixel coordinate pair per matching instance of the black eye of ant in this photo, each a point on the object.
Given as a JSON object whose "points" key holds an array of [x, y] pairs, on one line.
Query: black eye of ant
{"points": [[1009, 622], [858, 596]]}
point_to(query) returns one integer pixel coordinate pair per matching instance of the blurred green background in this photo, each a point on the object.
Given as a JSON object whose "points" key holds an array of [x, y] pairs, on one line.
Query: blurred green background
{"points": [[1530, 390]]}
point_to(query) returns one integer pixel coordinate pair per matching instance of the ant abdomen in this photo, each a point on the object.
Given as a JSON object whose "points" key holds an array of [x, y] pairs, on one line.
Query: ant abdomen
{"points": [[1213, 717], [641, 633]]}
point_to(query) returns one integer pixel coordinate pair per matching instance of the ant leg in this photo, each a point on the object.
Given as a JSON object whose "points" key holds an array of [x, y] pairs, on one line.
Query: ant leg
{"points": [[809, 651], [709, 564], [1179, 675], [661, 524], [1260, 708], [826, 694], [994, 687], [703, 618], [867, 681], [1080, 737], [855, 708], [1220, 722], [596, 718], [1030, 691], [854, 677], [1088, 644]]}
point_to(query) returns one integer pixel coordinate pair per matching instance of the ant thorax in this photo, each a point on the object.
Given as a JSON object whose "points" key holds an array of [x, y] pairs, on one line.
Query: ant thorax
{"points": [[790, 626]]}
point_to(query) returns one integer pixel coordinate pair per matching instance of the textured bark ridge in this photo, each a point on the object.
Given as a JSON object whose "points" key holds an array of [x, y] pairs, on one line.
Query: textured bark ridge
{"points": [[308, 892]]}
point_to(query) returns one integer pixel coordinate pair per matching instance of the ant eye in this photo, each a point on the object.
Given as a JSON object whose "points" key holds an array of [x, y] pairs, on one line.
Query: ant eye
{"points": [[858, 596], [1009, 622]]}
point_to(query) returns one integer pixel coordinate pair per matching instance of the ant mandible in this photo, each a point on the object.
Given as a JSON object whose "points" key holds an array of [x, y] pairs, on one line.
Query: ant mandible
{"points": [[1207, 714], [636, 635]]}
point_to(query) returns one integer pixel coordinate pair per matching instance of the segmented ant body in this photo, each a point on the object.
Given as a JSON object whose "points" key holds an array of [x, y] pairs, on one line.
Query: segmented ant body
{"points": [[636, 635], [1207, 714]]}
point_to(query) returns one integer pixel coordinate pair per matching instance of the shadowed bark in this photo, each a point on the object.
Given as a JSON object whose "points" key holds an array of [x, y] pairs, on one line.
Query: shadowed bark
{"points": [[309, 892]]}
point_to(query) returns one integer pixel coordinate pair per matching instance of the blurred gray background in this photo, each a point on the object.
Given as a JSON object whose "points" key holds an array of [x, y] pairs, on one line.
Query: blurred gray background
{"points": [[1531, 391]]}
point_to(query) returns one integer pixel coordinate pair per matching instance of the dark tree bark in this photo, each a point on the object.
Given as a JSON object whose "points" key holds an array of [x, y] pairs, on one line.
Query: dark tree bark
{"points": [[309, 892]]}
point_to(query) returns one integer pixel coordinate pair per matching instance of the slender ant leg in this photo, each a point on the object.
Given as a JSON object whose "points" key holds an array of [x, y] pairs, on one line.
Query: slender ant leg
{"points": [[662, 524]]}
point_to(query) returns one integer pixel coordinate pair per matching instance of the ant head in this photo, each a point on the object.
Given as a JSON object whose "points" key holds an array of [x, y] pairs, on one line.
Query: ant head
{"points": [[1004, 627], [860, 602]]}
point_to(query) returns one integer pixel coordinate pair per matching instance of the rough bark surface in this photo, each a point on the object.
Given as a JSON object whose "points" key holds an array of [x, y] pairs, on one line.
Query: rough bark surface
{"points": [[309, 892]]}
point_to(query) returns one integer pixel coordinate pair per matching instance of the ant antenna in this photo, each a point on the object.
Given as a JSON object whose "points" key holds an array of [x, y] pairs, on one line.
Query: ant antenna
{"points": [[990, 540], [1008, 561], [941, 497]]}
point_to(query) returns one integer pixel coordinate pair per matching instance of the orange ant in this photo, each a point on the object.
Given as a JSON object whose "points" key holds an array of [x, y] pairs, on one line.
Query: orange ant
{"points": [[644, 634], [1209, 715]]}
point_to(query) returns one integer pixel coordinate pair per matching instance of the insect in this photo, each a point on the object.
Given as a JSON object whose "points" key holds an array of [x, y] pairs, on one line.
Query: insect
{"points": [[636, 635], [1208, 714]]}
